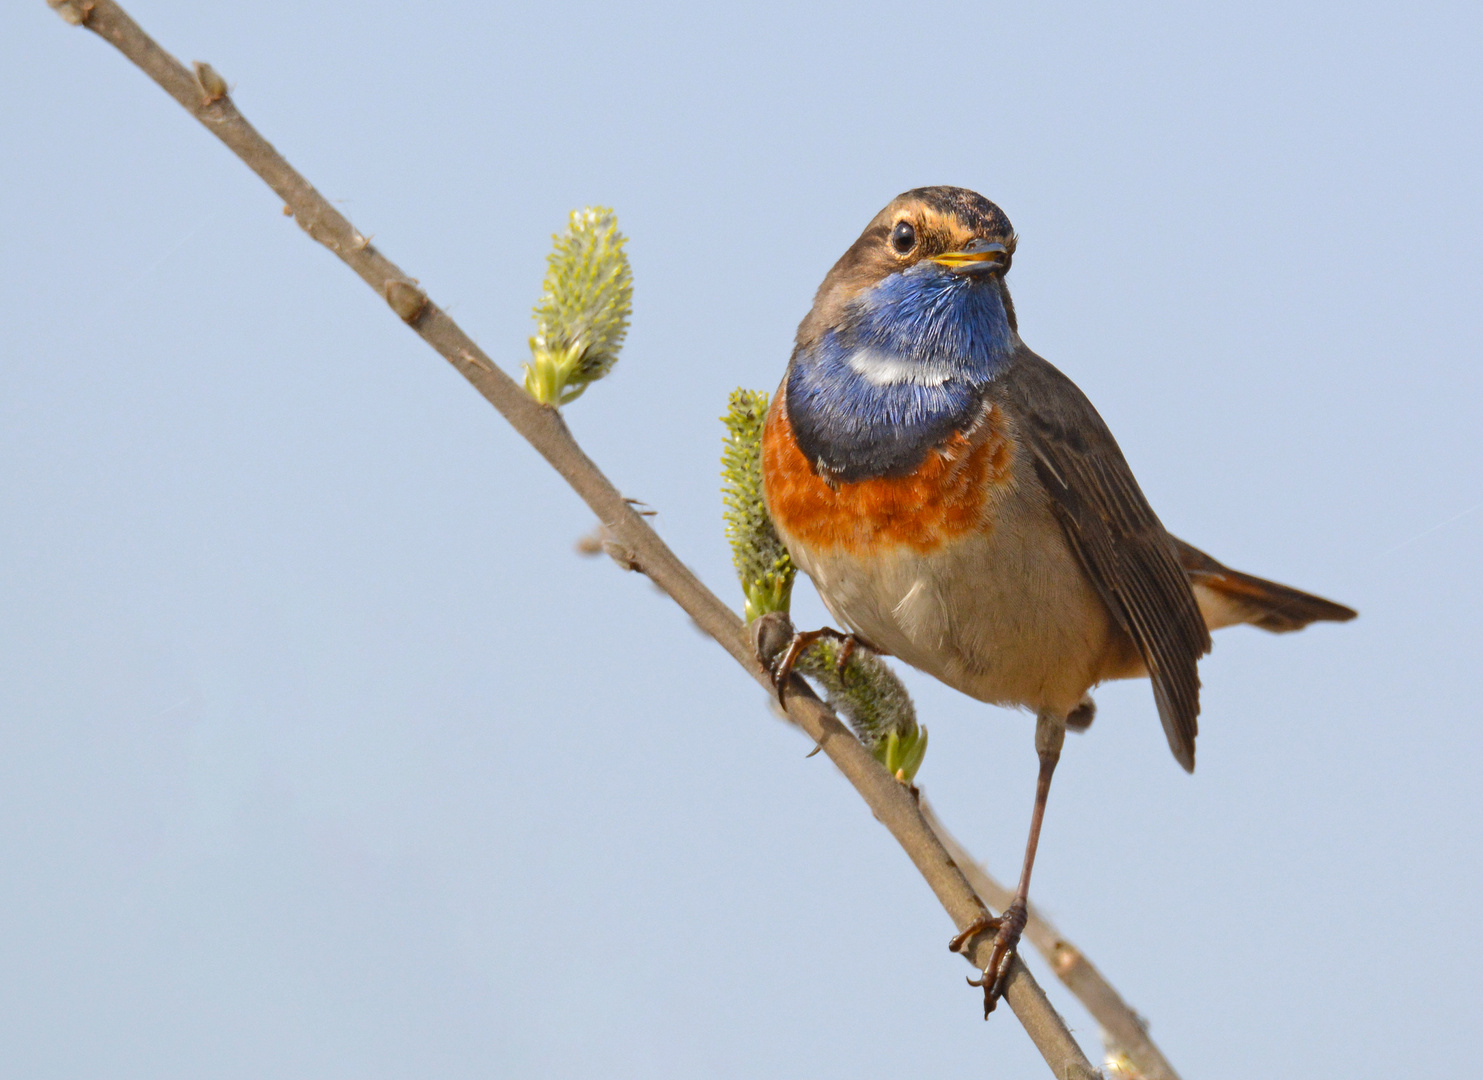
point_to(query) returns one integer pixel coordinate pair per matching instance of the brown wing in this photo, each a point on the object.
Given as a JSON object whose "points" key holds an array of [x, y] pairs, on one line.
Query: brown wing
{"points": [[1124, 549], [1231, 597]]}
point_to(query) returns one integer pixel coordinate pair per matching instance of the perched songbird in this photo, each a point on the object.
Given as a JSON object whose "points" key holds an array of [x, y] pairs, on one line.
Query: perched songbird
{"points": [[959, 504]]}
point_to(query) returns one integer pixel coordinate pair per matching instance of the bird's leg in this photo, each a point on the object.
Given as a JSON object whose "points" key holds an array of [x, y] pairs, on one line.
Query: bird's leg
{"points": [[1050, 733], [782, 667]]}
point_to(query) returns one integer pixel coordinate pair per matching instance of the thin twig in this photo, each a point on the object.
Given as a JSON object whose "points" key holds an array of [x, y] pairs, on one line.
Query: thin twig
{"points": [[203, 96], [1124, 1028]]}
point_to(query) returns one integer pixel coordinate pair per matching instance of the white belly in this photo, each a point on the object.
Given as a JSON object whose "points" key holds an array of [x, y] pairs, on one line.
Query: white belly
{"points": [[1007, 616]]}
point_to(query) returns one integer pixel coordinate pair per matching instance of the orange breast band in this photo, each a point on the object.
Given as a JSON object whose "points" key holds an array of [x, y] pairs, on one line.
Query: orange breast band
{"points": [[949, 494]]}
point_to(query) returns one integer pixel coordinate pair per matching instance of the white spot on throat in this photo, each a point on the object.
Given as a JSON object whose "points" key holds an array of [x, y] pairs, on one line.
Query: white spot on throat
{"points": [[887, 369]]}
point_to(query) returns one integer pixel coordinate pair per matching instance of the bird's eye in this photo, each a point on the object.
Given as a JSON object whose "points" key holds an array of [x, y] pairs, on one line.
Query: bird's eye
{"points": [[903, 237]]}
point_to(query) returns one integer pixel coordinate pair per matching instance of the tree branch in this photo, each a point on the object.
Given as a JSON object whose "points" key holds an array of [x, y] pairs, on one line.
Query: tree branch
{"points": [[1123, 1026], [203, 94]]}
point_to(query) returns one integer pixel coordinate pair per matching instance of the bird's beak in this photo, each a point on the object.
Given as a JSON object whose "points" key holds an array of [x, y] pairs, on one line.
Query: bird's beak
{"points": [[978, 257]]}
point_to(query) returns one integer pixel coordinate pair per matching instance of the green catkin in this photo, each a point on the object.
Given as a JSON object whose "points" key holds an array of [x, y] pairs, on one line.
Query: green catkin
{"points": [[582, 316], [761, 561], [867, 693]]}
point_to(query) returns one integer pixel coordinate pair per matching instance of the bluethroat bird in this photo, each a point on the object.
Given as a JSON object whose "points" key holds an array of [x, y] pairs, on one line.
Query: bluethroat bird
{"points": [[959, 504]]}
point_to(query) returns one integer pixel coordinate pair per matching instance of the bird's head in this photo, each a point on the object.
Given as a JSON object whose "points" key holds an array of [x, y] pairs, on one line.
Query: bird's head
{"points": [[933, 256], [906, 331]]}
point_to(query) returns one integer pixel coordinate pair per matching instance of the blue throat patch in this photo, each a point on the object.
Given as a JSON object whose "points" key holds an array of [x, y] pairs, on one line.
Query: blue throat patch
{"points": [[904, 370]]}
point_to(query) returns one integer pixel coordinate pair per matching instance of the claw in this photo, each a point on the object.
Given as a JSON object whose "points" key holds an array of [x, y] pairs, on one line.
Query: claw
{"points": [[782, 667], [1001, 959], [846, 650], [978, 926]]}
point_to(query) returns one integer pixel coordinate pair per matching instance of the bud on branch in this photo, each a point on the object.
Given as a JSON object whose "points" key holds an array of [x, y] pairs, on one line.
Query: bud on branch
{"points": [[582, 316]]}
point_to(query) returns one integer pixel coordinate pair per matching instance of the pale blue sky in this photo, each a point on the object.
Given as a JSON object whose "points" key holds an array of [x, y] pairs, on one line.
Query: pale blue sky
{"points": [[321, 754]]}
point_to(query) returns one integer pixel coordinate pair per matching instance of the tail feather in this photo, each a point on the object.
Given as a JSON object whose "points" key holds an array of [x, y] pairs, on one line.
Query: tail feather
{"points": [[1227, 597]]}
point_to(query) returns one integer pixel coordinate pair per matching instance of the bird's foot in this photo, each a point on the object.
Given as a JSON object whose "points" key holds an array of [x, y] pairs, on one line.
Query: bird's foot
{"points": [[847, 646], [978, 926], [1007, 930], [782, 667]]}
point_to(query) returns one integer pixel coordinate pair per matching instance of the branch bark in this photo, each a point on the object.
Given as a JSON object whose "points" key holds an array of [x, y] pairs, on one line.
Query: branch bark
{"points": [[203, 94], [1124, 1028]]}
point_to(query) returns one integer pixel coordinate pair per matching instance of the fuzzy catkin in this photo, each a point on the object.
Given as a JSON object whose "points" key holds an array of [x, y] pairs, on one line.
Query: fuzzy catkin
{"points": [[582, 315], [867, 693], [762, 563]]}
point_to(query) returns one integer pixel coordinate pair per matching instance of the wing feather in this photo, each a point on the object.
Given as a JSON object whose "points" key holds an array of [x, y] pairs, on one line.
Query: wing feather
{"points": [[1131, 561]]}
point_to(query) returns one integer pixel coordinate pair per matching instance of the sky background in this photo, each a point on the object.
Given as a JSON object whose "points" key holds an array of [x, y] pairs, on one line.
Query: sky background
{"points": [[323, 755]]}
